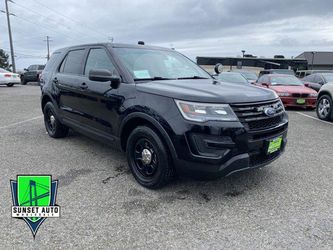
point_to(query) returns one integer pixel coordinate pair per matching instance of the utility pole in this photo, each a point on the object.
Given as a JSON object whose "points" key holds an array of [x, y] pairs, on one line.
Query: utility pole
{"points": [[10, 36], [48, 46], [313, 54]]}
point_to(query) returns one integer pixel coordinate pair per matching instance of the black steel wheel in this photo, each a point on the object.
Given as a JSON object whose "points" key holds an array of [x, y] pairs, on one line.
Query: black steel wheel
{"points": [[53, 127], [148, 158]]}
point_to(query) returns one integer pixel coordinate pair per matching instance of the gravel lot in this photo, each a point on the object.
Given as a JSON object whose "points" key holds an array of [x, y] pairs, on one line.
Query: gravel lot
{"points": [[288, 205]]}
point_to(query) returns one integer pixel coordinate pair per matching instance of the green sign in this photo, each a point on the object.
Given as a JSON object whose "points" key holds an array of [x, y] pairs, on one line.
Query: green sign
{"points": [[34, 191]]}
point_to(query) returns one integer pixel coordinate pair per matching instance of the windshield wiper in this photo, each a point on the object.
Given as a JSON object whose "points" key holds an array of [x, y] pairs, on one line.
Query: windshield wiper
{"points": [[155, 78], [192, 77]]}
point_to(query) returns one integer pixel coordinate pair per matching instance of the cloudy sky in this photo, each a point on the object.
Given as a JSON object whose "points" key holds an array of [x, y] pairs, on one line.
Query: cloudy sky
{"points": [[195, 28]]}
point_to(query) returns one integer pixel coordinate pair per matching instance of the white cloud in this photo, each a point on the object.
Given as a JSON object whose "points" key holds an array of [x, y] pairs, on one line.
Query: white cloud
{"points": [[196, 28]]}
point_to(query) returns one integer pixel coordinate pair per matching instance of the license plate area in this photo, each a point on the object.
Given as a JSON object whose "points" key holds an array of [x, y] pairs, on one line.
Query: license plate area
{"points": [[274, 145], [300, 101]]}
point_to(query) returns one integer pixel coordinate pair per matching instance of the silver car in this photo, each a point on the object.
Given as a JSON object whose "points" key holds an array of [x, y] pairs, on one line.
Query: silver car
{"points": [[325, 103]]}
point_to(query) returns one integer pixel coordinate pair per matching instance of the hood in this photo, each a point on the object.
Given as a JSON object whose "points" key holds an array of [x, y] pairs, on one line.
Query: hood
{"points": [[207, 90], [293, 89]]}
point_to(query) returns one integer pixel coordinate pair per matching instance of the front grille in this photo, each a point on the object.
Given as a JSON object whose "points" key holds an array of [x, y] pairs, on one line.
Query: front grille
{"points": [[266, 123], [300, 95], [252, 115]]}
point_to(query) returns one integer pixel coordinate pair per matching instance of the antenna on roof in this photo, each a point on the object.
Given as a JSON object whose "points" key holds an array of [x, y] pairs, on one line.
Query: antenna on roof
{"points": [[141, 42]]}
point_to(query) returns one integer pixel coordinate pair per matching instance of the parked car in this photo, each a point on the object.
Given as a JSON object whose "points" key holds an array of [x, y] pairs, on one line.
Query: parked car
{"points": [[304, 73], [8, 78], [232, 77], [168, 115], [325, 104], [291, 90], [32, 73], [315, 81], [276, 71], [250, 76]]}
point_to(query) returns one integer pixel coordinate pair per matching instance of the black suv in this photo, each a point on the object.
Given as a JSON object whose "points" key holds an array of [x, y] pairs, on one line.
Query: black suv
{"points": [[31, 74], [168, 115]]}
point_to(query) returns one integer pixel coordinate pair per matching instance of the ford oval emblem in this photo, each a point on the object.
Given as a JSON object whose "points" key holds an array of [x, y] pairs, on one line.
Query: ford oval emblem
{"points": [[269, 111]]}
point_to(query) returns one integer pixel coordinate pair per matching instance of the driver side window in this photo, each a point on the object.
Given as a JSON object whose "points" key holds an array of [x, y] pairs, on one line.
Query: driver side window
{"points": [[99, 59]]}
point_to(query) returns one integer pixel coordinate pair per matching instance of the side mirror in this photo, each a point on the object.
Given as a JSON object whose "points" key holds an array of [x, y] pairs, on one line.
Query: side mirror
{"points": [[218, 68], [306, 84], [265, 84], [104, 75]]}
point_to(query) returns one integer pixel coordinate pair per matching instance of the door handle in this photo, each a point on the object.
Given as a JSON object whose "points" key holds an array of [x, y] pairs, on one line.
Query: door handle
{"points": [[84, 86]]}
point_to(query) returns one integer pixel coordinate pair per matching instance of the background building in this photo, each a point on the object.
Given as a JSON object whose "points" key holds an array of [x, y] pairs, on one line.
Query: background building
{"points": [[318, 60], [253, 63]]}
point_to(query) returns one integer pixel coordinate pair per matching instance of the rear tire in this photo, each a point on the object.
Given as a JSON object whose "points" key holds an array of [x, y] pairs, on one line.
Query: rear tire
{"points": [[10, 84], [325, 108], [23, 81], [148, 158], [52, 124]]}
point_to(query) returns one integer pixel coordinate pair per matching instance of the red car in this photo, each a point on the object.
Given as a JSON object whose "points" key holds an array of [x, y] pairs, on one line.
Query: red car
{"points": [[292, 91]]}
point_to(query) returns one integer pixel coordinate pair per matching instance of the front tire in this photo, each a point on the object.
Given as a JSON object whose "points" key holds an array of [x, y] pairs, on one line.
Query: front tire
{"points": [[52, 124], [148, 158], [10, 84], [325, 108]]}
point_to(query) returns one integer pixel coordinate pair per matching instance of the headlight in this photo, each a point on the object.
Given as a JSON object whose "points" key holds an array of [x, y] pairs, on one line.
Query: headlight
{"points": [[202, 112], [313, 95], [283, 94]]}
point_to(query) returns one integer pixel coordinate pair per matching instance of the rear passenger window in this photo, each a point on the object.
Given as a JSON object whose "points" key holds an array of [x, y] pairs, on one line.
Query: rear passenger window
{"points": [[98, 59], [73, 62], [50, 63]]}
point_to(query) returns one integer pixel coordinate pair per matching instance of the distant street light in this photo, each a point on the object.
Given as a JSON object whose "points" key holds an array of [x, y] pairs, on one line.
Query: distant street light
{"points": [[243, 51]]}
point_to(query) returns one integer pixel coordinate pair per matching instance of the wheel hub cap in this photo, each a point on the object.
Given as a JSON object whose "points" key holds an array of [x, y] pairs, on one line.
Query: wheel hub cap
{"points": [[52, 120], [146, 156], [324, 107]]}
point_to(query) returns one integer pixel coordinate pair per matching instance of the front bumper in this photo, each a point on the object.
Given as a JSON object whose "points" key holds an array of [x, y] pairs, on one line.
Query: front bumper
{"points": [[292, 102], [225, 150]]}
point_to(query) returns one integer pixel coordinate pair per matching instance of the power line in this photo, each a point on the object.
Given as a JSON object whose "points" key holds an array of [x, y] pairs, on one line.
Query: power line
{"points": [[56, 22], [71, 19]]}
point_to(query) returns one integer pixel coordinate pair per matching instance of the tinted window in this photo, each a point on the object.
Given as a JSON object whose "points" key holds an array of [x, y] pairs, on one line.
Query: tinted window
{"points": [[318, 79], [309, 78], [263, 79], [328, 77], [98, 59], [41, 67], [32, 67], [285, 80], [72, 63], [52, 61]]}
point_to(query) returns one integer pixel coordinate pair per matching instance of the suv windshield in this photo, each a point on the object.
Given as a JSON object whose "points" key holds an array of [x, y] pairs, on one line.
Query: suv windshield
{"points": [[328, 77], [285, 80], [153, 64]]}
